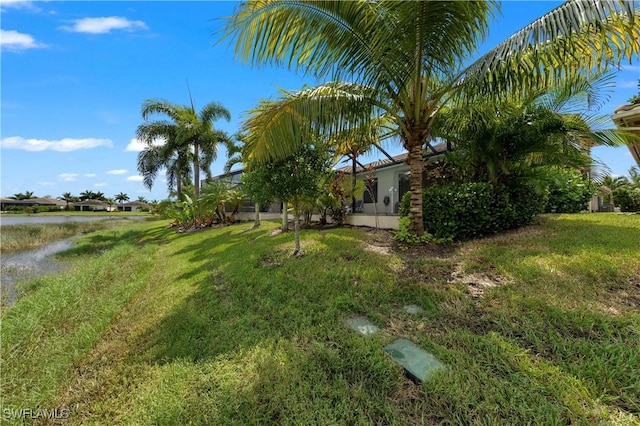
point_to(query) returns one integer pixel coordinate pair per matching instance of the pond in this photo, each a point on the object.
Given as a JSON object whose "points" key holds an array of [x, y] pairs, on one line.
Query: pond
{"points": [[27, 265], [7, 220]]}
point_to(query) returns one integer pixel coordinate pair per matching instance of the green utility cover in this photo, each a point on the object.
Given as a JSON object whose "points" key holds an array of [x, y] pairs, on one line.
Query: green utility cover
{"points": [[362, 325], [418, 363]]}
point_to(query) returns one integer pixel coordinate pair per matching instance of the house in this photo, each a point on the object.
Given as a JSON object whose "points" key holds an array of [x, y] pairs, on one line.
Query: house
{"points": [[31, 202], [91, 205], [390, 181], [133, 206], [387, 180], [627, 117]]}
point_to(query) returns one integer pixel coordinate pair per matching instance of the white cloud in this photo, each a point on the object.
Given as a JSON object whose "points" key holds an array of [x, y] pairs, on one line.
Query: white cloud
{"points": [[135, 178], [99, 185], [136, 146], [67, 177], [15, 41], [18, 4], [626, 84], [64, 145], [46, 183], [104, 25], [89, 175], [117, 172]]}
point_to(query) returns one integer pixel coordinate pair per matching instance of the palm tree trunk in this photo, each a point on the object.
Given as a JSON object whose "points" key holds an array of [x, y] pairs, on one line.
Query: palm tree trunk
{"points": [[196, 171], [179, 187], [416, 226]]}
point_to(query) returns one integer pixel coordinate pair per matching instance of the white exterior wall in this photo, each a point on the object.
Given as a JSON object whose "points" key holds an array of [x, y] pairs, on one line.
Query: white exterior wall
{"points": [[387, 178]]}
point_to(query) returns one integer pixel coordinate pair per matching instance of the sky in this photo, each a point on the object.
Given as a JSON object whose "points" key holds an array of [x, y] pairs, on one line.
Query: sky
{"points": [[75, 74]]}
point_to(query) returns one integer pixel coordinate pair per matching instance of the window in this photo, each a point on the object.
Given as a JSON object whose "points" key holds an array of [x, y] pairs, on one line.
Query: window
{"points": [[371, 191]]}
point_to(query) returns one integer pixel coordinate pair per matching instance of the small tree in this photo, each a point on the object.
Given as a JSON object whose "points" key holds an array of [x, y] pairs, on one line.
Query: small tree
{"points": [[294, 179]]}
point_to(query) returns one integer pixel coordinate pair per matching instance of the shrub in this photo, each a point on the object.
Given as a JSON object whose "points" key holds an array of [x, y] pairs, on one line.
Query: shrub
{"points": [[470, 210], [569, 192], [628, 199]]}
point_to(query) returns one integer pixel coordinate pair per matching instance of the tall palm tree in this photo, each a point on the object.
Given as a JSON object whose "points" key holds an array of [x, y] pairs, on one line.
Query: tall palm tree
{"points": [[87, 195], [167, 154], [404, 59], [121, 197], [191, 131]]}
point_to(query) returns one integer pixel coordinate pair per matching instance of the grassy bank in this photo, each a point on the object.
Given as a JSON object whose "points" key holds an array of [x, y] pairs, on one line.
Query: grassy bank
{"points": [[25, 237], [223, 327]]}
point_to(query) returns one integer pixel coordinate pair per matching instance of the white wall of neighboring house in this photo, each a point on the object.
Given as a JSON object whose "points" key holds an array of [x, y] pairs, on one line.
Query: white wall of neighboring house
{"points": [[388, 178]]}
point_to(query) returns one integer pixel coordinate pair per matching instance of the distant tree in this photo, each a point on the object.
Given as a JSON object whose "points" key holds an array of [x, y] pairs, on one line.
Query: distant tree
{"points": [[100, 196], [67, 197], [110, 202], [142, 199], [121, 197], [26, 196], [192, 130], [87, 195], [169, 155]]}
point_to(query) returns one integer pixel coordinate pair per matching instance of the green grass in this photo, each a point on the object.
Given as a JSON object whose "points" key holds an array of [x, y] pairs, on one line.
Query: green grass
{"points": [[222, 326]]}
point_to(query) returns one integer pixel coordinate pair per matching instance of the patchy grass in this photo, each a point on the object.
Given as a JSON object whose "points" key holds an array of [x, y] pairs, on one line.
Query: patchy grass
{"points": [[221, 326]]}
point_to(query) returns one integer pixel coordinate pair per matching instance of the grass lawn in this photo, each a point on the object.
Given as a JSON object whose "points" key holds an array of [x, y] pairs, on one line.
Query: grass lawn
{"points": [[222, 326]]}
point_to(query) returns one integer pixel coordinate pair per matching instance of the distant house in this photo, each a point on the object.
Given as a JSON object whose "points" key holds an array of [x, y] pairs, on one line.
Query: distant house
{"points": [[234, 179], [31, 202], [133, 206], [91, 205]]}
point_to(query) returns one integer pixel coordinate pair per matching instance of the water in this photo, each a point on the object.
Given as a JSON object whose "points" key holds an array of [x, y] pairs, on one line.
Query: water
{"points": [[7, 220], [28, 265]]}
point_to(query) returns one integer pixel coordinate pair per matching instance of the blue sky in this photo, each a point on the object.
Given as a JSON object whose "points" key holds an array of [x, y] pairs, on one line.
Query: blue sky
{"points": [[75, 74]]}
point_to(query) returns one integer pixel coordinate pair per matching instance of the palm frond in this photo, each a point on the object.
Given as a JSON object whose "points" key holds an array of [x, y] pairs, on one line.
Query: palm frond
{"points": [[578, 36]]}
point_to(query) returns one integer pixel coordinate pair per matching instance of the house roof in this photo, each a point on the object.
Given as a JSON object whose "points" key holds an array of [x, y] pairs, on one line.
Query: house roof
{"points": [[34, 202], [438, 149]]}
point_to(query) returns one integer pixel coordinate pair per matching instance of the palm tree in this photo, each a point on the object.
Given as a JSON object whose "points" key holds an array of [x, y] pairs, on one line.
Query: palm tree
{"points": [[121, 197], [497, 140], [404, 59], [26, 196], [192, 130], [67, 197], [142, 199], [110, 202], [167, 155], [87, 195]]}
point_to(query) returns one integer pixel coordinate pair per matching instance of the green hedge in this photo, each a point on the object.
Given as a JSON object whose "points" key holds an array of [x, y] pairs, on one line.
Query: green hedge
{"points": [[628, 199], [569, 192], [471, 210]]}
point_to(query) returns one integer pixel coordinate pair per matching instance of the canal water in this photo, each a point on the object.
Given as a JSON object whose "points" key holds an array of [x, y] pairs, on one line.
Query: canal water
{"points": [[8, 220], [27, 265]]}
